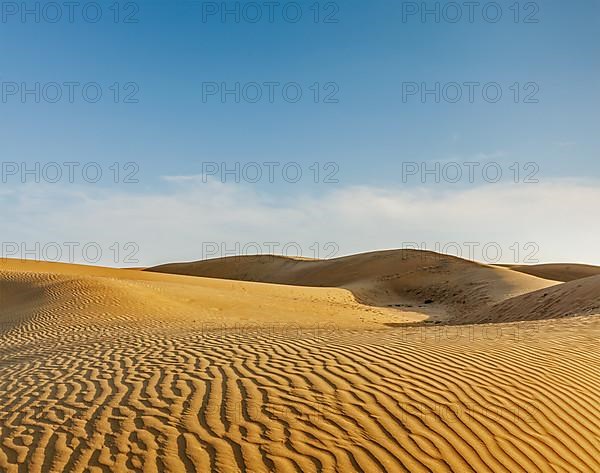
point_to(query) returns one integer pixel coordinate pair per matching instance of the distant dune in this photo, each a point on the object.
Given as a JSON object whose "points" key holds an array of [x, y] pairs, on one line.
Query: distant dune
{"points": [[445, 288], [578, 297], [322, 366], [558, 271], [32, 287]]}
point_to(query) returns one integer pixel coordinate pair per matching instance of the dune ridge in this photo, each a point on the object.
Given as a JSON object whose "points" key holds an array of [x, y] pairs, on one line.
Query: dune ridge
{"points": [[562, 272], [573, 298], [443, 288]]}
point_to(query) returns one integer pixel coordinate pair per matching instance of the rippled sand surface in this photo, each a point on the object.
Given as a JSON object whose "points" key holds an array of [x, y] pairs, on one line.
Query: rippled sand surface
{"points": [[107, 370]]}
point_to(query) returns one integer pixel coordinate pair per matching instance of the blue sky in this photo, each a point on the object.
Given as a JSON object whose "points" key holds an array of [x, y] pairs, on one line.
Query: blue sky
{"points": [[368, 54]]}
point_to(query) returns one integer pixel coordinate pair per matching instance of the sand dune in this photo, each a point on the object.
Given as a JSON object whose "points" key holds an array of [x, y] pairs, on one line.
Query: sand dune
{"points": [[443, 288], [183, 300], [578, 297], [558, 271], [116, 370]]}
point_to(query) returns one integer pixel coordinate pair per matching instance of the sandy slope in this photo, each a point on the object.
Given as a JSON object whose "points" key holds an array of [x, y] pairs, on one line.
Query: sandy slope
{"points": [[439, 286], [558, 271], [116, 293], [577, 297], [115, 370]]}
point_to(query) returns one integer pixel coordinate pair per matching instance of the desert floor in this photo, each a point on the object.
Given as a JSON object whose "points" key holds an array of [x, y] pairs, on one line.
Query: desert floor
{"points": [[385, 362]]}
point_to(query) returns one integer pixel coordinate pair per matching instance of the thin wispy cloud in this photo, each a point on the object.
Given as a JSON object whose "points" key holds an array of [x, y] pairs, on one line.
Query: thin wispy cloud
{"points": [[173, 223]]}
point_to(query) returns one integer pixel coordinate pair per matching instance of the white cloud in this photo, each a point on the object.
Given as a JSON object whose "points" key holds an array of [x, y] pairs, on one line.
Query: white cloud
{"points": [[173, 222]]}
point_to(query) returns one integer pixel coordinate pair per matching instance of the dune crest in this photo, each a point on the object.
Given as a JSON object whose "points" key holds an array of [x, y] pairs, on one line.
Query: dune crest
{"points": [[573, 298], [562, 272], [443, 288]]}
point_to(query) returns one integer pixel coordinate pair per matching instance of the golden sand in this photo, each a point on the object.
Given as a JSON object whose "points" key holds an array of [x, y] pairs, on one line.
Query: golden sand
{"points": [[107, 370]]}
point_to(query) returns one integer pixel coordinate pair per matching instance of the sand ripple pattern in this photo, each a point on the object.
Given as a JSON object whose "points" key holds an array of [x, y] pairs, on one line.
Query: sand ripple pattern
{"points": [[85, 387]]}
